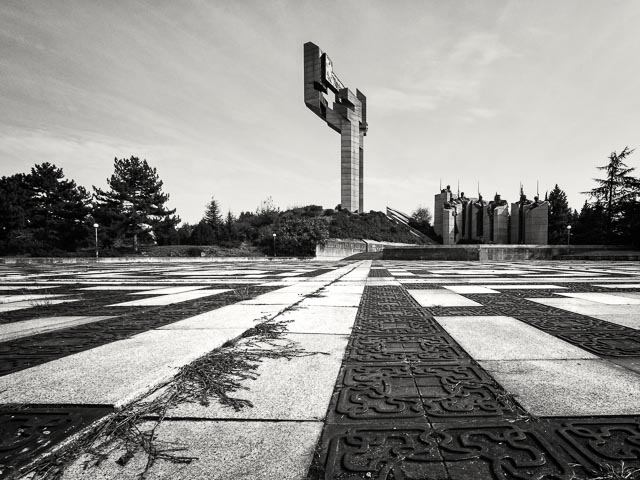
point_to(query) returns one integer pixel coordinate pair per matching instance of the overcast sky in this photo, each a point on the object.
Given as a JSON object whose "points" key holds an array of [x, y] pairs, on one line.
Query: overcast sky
{"points": [[211, 94]]}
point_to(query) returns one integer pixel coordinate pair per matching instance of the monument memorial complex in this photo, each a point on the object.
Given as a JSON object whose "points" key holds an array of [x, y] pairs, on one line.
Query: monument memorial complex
{"points": [[458, 219], [346, 114]]}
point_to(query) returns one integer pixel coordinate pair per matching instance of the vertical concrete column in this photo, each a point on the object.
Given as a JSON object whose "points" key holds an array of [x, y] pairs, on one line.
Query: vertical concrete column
{"points": [[350, 166], [537, 225], [501, 225], [514, 222], [448, 227], [361, 178]]}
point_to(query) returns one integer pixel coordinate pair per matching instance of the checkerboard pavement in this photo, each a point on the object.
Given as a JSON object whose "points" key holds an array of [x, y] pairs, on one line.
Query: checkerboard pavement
{"points": [[421, 370]]}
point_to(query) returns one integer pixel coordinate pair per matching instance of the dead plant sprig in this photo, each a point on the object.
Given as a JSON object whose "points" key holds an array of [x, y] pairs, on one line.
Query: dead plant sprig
{"points": [[216, 375]]}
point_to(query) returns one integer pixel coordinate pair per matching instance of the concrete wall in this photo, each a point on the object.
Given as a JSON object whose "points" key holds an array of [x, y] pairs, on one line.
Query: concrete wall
{"points": [[514, 222], [438, 201], [475, 235], [448, 227], [537, 225], [501, 225], [338, 248], [489, 252]]}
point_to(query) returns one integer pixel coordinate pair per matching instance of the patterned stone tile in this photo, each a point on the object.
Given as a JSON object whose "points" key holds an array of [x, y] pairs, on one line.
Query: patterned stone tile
{"points": [[460, 392], [397, 325], [606, 343], [499, 452], [378, 393], [404, 348], [28, 431], [380, 452], [594, 443]]}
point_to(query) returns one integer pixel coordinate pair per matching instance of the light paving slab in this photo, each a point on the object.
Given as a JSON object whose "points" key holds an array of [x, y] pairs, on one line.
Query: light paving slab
{"points": [[505, 338], [231, 316], [25, 328], [217, 272], [296, 389], [586, 307], [575, 274], [340, 288], [606, 298], [469, 289], [333, 300], [327, 320], [276, 298], [171, 299], [380, 282], [170, 290], [115, 288], [532, 286], [112, 374], [442, 298], [9, 307], [468, 271], [39, 299], [238, 450], [418, 281], [569, 387], [12, 288]]}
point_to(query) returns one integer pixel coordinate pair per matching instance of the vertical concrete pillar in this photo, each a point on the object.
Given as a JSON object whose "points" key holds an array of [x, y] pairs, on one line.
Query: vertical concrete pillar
{"points": [[346, 114]]}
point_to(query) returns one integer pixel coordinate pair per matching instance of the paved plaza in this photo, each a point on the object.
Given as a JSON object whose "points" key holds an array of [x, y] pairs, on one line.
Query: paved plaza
{"points": [[307, 370]]}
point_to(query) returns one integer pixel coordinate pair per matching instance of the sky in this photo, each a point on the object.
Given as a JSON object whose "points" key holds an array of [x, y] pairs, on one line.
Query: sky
{"points": [[494, 93]]}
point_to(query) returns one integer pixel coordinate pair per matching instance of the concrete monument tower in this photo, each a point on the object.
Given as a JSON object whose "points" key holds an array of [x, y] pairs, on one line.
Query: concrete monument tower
{"points": [[347, 115]]}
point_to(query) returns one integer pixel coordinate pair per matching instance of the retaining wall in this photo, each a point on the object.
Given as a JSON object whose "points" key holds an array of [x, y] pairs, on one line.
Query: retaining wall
{"points": [[490, 252]]}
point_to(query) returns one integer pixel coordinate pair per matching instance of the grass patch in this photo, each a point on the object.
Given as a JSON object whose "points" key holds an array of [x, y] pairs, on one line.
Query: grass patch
{"points": [[612, 472]]}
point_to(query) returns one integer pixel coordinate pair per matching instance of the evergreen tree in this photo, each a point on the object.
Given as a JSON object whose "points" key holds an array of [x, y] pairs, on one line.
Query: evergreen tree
{"points": [[15, 205], [184, 234], [231, 231], [59, 211], [616, 191], [134, 205], [559, 216], [589, 228], [203, 234], [213, 215]]}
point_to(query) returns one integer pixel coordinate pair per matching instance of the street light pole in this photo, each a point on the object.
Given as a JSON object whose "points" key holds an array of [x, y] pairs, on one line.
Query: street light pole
{"points": [[568, 234], [274, 245], [95, 226]]}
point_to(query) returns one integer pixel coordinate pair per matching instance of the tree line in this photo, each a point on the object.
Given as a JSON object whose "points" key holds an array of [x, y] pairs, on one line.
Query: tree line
{"points": [[43, 213], [611, 215]]}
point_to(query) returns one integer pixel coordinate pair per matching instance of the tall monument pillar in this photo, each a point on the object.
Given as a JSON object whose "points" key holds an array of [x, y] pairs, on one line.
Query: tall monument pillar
{"points": [[346, 114]]}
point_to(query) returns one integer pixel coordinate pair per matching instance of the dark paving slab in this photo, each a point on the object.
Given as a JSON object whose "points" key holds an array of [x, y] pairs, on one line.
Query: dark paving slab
{"points": [[409, 403], [29, 430]]}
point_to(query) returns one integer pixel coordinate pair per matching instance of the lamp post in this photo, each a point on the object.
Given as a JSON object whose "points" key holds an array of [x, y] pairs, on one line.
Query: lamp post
{"points": [[568, 234], [95, 226], [274, 245]]}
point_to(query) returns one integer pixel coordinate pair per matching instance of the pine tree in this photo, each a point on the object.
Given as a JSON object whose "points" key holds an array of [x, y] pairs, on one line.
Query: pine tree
{"points": [[616, 190], [231, 231], [212, 214], [559, 216], [15, 203], [59, 214], [134, 205], [589, 226]]}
